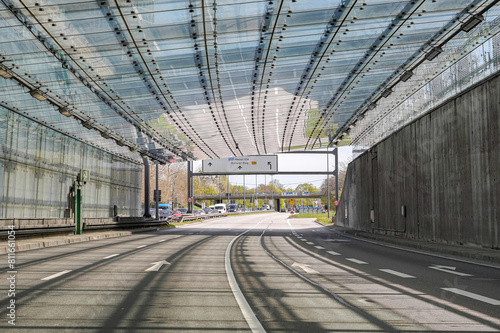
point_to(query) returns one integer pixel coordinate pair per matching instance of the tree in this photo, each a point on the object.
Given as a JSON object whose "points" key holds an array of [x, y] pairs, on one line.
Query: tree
{"points": [[172, 182]]}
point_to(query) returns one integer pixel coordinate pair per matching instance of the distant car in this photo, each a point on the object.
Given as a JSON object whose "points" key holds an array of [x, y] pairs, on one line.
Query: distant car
{"points": [[199, 212], [183, 210], [165, 213], [177, 213]]}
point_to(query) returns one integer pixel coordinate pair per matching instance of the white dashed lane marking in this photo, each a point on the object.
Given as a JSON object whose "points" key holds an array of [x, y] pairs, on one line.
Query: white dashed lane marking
{"points": [[403, 275], [111, 256], [55, 275], [473, 296], [356, 261]]}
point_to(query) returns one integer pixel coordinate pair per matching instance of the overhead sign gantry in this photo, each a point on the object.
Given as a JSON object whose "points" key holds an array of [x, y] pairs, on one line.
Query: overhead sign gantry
{"points": [[260, 164]]}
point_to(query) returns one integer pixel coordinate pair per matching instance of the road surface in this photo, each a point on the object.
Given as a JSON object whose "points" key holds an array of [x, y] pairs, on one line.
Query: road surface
{"points": [[248, 273]]}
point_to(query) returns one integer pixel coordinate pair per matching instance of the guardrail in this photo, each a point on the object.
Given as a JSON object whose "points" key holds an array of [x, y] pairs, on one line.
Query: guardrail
{"points": [[31, 227]]}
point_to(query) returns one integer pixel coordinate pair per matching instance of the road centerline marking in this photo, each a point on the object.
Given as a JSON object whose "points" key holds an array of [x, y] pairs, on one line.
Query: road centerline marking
{"points": [[245, 308], [319, 247], [473, 296], [333, 253], [55, 275], [403, 275], [310, 243]]}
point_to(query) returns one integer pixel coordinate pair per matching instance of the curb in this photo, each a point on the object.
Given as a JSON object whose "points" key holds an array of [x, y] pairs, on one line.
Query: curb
{"points": [[42, 243], [487, 256]]}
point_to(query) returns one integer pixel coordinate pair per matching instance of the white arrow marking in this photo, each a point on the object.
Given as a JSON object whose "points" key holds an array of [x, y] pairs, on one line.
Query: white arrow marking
{"points": [[474, 296], [55, 275], [306, 268], [157, 265], [448, 269], [111, 256]]}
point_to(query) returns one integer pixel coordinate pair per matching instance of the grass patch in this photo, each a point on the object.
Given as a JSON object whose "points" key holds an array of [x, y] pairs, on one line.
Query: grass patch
{"points": [[256, 212], [321, 217]]}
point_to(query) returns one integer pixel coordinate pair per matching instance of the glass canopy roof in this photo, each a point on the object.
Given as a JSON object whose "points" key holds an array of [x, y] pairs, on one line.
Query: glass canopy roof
{"points": [[209, 79]]}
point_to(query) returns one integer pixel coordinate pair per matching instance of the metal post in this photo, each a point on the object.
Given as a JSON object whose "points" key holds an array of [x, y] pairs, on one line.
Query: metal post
{"points": [[255, 197], [190, 185], [157, 195], [228, 190], [244, 194], [328, 180], [146, 188], [78, 208], [272, 193], [265, 189], [220, 192], [336, 152]]}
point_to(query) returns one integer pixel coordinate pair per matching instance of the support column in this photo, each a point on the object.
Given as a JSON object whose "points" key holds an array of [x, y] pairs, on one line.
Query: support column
{"points": [[336, 153], [157, 199], [146, 187], [190, 185], [328, 181], [78, 207]]}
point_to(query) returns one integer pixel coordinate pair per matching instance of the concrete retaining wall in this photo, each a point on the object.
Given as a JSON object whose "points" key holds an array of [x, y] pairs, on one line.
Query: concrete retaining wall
{"points": [[443, 170]]}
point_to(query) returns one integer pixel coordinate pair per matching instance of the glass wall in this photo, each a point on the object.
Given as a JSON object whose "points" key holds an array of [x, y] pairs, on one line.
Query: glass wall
{"points": [[38, 167], [462, 66]]}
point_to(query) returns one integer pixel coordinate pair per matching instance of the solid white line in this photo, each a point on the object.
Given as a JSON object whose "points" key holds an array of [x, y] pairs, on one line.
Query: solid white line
{"points": [[111, 256], [403, 275], [245, 308], [161, 240], [320, 247], [474, 296], [333, 253], [356, 261], [55, 275], [140, 247]]}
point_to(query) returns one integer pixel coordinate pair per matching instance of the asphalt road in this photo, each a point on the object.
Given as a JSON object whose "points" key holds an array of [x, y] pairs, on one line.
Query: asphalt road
{"points": [[260, 273]]}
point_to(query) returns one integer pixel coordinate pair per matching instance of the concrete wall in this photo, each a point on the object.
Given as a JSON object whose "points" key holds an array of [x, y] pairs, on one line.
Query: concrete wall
{"points": [[444, 168]]}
